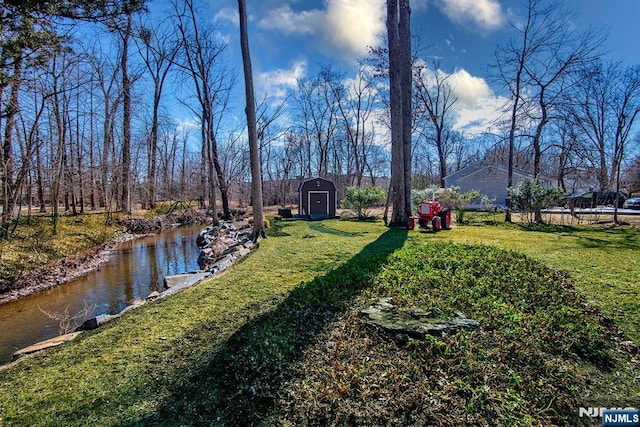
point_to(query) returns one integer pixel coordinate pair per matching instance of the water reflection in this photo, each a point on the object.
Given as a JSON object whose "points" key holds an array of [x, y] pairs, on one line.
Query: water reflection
{"points": [[136, 269]]}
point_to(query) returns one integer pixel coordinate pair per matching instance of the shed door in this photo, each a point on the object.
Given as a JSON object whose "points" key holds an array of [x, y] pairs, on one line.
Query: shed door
{"points": [[318, 203]]}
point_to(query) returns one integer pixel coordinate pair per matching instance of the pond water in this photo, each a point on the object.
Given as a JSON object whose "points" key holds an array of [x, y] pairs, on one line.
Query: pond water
{"points": [[135, 269]]}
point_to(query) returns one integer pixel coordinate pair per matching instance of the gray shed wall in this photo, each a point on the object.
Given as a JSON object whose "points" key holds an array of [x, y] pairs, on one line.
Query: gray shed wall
{"points": [[317, 196]]}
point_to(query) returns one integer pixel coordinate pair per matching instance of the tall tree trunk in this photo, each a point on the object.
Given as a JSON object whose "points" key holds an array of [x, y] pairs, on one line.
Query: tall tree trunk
{"points": [[398, 184], [107, 142], [126, 119], [400, 80], [203, 173], [211, 173], [81, 180], [406, 87], [11, 110], [219, 172], [537, 149], [70, 162], [92, 165], [39, 180], [252, 129], [153, 151], [60, 161]]}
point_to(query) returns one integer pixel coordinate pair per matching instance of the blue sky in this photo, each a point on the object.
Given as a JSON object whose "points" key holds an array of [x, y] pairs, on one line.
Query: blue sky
{"points": [[291, 39]]}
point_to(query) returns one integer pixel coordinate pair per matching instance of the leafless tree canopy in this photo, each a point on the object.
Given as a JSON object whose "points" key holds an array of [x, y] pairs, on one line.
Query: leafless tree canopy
{"points": [[89, 93]]}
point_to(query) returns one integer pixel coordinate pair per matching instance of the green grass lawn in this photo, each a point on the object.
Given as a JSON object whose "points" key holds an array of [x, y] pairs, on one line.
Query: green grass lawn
{"points": [[604, 261], [240, 347]]}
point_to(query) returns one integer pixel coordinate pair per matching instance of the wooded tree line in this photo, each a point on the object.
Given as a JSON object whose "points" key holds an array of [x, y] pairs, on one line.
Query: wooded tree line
{"points": [[87, 91]]}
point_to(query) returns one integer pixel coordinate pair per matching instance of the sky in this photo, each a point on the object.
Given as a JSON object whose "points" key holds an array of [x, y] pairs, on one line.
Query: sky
{"points": [[292, 39]]}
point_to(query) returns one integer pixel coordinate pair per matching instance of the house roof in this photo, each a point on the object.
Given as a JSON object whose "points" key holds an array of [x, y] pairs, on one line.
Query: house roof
{"points": [[478, 166]]}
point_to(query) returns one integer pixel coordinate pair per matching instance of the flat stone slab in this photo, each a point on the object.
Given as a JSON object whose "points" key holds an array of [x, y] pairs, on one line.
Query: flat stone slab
{"points": [[94, 322], [415, 322], [182, 281], [53, 342]]}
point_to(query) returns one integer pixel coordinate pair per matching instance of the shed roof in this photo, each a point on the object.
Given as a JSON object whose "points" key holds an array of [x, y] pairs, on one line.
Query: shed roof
{"points": [[315, 179]]}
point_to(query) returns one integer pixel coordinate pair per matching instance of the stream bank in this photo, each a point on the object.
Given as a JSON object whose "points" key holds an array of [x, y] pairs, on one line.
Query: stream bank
{"points": [[77, 265]]}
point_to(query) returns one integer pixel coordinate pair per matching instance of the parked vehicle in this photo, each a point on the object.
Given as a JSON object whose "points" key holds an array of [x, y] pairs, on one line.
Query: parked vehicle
{"points": [[632, 203], [593, 199], [434, 214]]}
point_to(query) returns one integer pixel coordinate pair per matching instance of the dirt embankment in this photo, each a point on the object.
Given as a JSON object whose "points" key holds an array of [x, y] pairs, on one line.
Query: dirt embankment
{"points": [[77, 265]]}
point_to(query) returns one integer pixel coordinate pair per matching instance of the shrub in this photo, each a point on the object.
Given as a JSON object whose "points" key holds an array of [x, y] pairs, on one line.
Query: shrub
{"points": [[429, 193], [454, 199], [361, 200], [529, 197]]}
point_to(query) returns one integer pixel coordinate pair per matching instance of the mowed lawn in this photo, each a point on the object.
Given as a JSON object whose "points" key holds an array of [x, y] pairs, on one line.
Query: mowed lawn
{"points": [[132, 369], [604, 261]]}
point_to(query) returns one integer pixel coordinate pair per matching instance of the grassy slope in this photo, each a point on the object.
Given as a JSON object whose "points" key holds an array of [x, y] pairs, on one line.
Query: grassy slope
{"points": [[528, 365], [172, 360], [129, 368], [604, 261], [32, 243]]}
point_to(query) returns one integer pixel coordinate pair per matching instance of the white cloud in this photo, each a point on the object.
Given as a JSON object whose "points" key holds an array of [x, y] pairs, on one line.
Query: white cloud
{"points": [[467, 88], [276, 83], [344, 27], [229, 14], [355, 25], [481, 117], [485, 15], [289, 22], [186, 125], [477, 108]]}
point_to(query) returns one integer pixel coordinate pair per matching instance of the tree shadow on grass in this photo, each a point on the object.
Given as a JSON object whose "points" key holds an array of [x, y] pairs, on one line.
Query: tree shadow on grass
{"points": [[241, 383], [323, 228]]}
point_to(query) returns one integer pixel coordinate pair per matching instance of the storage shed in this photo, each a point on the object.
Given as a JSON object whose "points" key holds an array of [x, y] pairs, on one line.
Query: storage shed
{"points": [[317, 198]]}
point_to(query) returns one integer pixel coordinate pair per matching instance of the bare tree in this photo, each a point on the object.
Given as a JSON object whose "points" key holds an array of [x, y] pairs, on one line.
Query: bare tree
{"points": [[105, 77], [125, 35], [319, 117], [270, 134], [202, 51], [535, 66], [434, 101], [234, 159], [355, 100], [607, 105], [565, 151], [252, 128], [158, 50], [30, 38], [60, 135], [118, 18], [282, 166], [550, 70], [511, 60]]}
